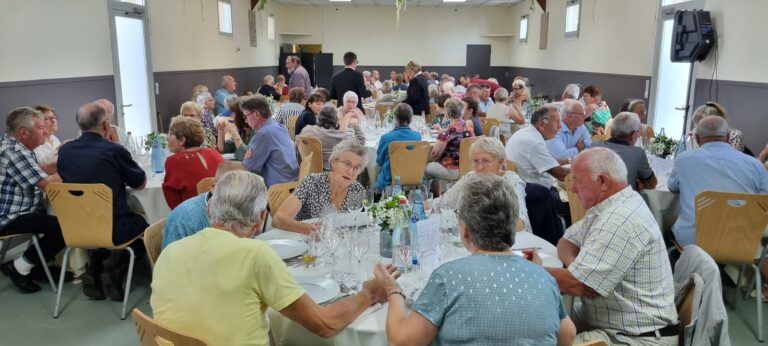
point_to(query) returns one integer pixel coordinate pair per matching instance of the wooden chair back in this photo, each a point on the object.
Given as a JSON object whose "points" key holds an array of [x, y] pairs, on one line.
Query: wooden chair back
{"points": [[150, 330], [382, 109], [596, 342], [729, 225], [432, 113], [311, 145], [685, 313], [84, 212], [510, 166], [278, 193], [408, 159], [153, 240], [306, 166], [205, 185], [291, 125], [577, 211], [487, 123], [465, 162]]}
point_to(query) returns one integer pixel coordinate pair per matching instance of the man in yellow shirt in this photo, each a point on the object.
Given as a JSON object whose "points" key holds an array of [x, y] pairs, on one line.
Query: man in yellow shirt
{"points": [[218, 283]]}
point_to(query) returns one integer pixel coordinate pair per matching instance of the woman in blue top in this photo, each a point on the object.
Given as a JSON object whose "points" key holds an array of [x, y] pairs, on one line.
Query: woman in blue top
{"points": [[470, 114], [491, 297], [402, 132]]}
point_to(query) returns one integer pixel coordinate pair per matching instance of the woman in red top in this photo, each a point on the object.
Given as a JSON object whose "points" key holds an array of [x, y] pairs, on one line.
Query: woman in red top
{"points": [[189, 163]]}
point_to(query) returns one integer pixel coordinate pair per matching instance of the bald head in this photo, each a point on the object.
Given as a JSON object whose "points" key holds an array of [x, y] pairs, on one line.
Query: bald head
{"points": [[712, 126], [91, 117], [598, 161]]}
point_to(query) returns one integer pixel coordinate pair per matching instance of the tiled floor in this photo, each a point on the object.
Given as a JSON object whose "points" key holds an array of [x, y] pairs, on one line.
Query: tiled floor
{"points": [[26, 319]]}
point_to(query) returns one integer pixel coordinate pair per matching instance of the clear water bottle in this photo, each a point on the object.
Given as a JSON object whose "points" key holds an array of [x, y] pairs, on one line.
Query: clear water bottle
{"points": [[158, 156], [417, 214], [417, 211], [681, 148], [402, 246], [661, 132], [397, 189]]}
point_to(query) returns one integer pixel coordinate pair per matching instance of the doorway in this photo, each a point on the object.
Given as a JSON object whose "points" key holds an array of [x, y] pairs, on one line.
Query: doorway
{"points": [[131, 58], [671, 80]]}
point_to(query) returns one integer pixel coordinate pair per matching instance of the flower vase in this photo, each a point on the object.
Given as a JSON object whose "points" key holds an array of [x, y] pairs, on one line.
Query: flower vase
{"points": [[385, 242]]}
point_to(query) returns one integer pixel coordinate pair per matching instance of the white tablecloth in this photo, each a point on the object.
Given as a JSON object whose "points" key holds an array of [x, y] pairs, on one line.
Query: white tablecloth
{"points": [[369, 328], [149, 201]]}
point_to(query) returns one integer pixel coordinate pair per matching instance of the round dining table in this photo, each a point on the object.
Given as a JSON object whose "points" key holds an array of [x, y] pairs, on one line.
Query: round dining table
{"points": [[370, 327]]}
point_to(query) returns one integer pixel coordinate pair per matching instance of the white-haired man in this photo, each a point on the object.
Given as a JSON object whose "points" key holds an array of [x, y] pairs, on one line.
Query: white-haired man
{"points": [[228, 86], [528, 148], [573, 136], [239, 277], [625, 130], [116, 133], [615, 259]]}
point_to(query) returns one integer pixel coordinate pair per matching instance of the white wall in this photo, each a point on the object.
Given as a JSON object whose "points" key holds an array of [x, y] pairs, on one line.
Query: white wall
{"points": [[53, 39], [616, 36], [429, 36]]}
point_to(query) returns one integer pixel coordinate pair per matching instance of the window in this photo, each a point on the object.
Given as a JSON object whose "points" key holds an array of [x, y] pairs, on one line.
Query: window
{"points": [[572, 14], [225, 17], [524, 29], [271, 28]]}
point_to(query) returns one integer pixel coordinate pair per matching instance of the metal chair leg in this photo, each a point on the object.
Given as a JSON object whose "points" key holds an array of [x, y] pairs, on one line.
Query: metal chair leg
{"points": [[738, 286], [44, 263], [128, 282], [4, 249], [759, 301], [759, 265], [61, 282]]}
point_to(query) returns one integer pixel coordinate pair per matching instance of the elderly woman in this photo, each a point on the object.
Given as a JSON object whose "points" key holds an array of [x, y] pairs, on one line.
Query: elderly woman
{"points": [[636, 106], [433, 91], [471, 107], [292, 107], [596, 109], [197, 90], [488, 157], [519, 101], [235, 134], [401, 132], [309, 115], [337, 188], [189, 163], [445, 152], [208, 115], [386, 96], [268, 88], [491, 297], [441, 121], [280, 85], [193, 110], [735, 137], [330, 131], [348, 112], [47, 153]]}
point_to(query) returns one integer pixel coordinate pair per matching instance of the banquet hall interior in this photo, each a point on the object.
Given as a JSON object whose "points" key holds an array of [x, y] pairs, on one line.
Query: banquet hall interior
{"points": [[146, 56]]}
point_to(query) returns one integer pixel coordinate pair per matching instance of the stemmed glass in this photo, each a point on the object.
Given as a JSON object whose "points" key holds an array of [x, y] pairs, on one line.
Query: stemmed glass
{"points": [[359, 244], [428, 205], [332, 240]]}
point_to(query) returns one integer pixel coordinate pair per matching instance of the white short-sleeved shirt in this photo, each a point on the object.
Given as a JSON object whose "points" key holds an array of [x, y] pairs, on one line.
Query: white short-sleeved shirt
{"points": [[48, 152], [528, 150]]}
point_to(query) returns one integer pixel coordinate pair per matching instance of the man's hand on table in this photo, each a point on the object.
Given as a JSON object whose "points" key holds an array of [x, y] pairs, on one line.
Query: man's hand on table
{"points": [[532, 255]]}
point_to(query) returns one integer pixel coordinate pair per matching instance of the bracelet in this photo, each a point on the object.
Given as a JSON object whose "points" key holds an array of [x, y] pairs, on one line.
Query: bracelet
{"points": [[399, 293]]}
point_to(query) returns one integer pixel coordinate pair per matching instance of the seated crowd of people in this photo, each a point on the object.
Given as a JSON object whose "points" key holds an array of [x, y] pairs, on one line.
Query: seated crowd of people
{"points": [[615, 259]]}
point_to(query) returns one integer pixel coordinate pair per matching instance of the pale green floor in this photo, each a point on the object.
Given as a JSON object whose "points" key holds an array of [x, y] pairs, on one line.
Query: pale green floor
{"points": [[26, 319]]}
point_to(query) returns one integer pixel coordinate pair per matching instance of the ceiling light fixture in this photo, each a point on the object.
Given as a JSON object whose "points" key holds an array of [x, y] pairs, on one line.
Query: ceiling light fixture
{"points": [[454, 0], [340, 0]]}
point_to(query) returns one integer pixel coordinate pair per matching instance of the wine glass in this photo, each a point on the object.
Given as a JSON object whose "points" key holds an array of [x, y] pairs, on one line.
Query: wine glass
{"points": [[332, 240], [368, 200], [359, 244], [428, 205]]}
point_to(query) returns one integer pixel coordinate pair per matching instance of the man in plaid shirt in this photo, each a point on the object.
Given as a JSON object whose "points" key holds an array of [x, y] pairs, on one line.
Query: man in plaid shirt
{"points": [[615, 259], [22, 209]]}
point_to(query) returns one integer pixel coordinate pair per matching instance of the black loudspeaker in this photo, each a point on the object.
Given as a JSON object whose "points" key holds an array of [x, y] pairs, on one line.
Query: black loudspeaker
{"points": [[693, 35]]}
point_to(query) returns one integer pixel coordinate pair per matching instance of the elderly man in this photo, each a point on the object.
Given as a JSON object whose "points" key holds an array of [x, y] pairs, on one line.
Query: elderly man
{"points": [[92, 159], [615, 259], [528, 148], [375, 79], [625, 130], [116, 133], [349, 80], [241, 277], [22, 208], [571, 92], [573, 136], [299, 75], [271, 153], [228, 86], [191, 216], [714, 166]]}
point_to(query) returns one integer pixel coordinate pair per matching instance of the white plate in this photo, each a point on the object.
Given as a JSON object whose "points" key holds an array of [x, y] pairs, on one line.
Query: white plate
{"points": [[319, 289], [287, 248]]}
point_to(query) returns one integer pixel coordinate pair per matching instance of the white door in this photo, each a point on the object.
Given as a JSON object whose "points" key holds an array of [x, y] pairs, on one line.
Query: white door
{"points": [[671, 79], [134, 84]]}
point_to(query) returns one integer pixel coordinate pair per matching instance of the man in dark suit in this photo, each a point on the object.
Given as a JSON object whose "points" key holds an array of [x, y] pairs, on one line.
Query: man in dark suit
{"points": [[349, 80], [418, 97]]}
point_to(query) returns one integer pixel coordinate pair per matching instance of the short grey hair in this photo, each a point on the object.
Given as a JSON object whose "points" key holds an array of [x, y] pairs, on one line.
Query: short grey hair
{"points": [[500, 95], [712, 126], [327, 118], [257, 103], [447, 87], [268, 79], [204, 96], [349, 145], [367, 74], [572, 91], [625, 124], [386, 87], [541, 114], [350, 95], [90, 116], [568, 106], [601, 160], [230, 101], [454, 108], [488, 207], [21, 118], [490, 145], [433, 91], [238, 201]]}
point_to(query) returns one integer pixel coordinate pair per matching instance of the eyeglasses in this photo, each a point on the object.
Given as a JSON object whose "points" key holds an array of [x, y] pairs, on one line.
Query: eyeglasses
{"points": [[515, 88], [349, 165], [248, 114], [482, 162], [51, 118]]}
